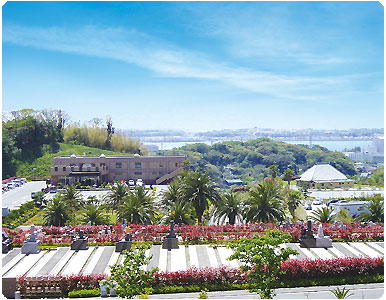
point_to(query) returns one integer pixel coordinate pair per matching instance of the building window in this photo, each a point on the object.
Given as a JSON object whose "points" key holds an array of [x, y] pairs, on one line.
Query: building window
{"points": [[137, 173], [64, 169], [176, 164], [118, 165], [56, 169], [162, 173], [92, 165], [154, 173], [161, 165], [72, 169], [118, 174], [138, 165]]}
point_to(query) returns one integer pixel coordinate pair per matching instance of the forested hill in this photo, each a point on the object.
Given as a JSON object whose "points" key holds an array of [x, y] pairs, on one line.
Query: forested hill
{"points": [[250, 160]]}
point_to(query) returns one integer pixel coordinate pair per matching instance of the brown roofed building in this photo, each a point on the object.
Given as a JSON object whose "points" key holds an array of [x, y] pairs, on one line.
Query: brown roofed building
{"points": [[151, 169]]}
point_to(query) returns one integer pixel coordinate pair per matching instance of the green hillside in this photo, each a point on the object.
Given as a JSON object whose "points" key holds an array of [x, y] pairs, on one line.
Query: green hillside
{"points": [[42, 164], [251, 160]]}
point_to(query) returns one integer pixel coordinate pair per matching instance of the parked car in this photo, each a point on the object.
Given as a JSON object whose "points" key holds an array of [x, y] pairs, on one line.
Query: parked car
{"points": [[317, 202], [131, 182], [23, 180], [336, 201], [308, 206], [139, 182], [17, 183], [53, 189], [11, 185]]}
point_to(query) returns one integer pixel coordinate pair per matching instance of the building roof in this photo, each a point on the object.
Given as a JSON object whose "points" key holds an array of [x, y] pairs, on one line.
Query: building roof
{"points": [[322, 172]]}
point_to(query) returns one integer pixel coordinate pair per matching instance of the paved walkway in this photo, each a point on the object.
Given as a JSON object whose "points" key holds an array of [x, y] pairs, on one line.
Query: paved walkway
{"points": [[97, 260]]}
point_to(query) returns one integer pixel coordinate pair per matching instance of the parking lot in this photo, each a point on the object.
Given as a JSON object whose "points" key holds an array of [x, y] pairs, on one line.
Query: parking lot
{"points": [[22, 194]]}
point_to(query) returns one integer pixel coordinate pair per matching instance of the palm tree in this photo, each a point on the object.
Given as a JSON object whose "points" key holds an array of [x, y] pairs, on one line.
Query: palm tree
{"points": [[137, 207], [231, 207], [173, 193], [71, 196], [198, 189], [56, 213], [180, 212], [293, 200], [265, 202], [116, 194], [375, 213], [323, 215], [93, 214]]}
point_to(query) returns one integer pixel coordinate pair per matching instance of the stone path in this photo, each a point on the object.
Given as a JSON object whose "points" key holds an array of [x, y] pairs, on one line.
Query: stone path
{"points": [[96, 260]]}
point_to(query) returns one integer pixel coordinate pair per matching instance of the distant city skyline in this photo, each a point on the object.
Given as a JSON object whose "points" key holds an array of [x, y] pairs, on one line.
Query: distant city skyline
{"points": [[198, 66]]}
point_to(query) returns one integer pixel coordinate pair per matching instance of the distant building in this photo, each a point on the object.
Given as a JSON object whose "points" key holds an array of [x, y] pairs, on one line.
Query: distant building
{"points": [[151, 148], [98, 169], [324, 176], [353, 208], [230, 182]]}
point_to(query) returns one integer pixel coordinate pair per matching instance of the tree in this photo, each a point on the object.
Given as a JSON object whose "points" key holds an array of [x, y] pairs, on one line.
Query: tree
{"points": [[110, 131], [93, 214], [130, 278], [180, 212], [274, 170], [198, 189], [71, 196], [375, 213], [265, 202], [56, 213], [323, 215], [116, 193], [137, 207], [261, 257], [229, 206], [293, 200], [173, 193], [288, 175], [10, 154]]}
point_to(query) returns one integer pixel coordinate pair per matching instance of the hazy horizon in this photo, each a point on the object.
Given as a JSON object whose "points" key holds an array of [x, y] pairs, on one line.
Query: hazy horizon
{"points": [[198, 66]]}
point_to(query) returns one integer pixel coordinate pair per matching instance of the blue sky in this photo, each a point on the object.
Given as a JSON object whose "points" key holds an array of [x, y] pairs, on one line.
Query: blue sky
{"points": [[198, 66]]}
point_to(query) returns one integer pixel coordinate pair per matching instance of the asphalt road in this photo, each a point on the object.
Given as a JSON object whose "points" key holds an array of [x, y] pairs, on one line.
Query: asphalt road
{"points": [[359, 291], [22, 194]]}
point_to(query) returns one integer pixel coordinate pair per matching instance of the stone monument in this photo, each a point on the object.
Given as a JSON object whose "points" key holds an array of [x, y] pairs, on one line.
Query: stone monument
{"points": [[32, 244], [170, 240], [124, 244], [7, 243], [79, 243], [321, 240], [308, 240]]}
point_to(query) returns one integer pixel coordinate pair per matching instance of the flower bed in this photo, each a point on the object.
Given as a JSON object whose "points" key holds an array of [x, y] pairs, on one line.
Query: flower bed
{"points": [[198, 234], [292, 269]]}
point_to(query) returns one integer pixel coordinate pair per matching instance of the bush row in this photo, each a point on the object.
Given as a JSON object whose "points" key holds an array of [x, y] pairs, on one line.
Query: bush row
{"points": [[199, 234], [294, 270]]}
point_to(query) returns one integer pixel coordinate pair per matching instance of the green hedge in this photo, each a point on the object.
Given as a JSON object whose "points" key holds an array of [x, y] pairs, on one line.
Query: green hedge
{"points": [[286, 284], [84, 293]]}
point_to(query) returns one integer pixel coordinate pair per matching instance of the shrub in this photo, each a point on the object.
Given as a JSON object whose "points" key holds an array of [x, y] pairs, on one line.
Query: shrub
{"points": [[84, 293]]}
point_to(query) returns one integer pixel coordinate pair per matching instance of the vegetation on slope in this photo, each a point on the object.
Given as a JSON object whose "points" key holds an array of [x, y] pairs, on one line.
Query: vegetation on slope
{"points": [[251, 160]]}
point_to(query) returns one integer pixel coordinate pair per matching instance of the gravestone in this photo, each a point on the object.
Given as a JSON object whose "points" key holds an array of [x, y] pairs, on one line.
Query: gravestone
{"points": [[32, 244], [79, 243], [308, 240], [7, 243], [124, 244], [170, 240], [321, 240]]}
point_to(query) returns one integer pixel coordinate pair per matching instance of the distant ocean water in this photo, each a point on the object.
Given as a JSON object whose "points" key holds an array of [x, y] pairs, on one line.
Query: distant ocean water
{"points": [[330, 145]]}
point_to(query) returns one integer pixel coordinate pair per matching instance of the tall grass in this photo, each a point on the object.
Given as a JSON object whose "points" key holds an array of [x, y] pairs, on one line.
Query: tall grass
{"points": [[95, 136]]}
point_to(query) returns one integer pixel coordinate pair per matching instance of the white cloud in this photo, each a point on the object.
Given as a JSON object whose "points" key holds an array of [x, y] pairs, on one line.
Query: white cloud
{"points": [[166, 60]]}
